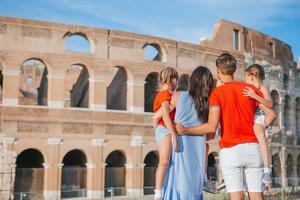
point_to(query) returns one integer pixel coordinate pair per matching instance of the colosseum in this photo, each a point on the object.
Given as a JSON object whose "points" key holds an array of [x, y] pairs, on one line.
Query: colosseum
{"points": [[77, 124]]}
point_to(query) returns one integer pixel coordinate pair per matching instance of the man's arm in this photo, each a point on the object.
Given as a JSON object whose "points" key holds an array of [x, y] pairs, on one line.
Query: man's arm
{"points": [[207, 128]]}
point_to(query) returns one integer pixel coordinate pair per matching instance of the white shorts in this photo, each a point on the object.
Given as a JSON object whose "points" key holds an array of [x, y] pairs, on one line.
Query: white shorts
{"points": [[260, 119], [242, 168]]}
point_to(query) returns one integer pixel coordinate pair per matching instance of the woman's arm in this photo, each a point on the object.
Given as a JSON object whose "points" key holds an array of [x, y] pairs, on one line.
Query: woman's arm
{"points": [[207, 128], [249, 92]]}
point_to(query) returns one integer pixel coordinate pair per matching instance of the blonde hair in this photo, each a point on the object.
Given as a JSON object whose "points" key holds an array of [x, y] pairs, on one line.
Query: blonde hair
{"points": [[167, 74], [257, 71]]}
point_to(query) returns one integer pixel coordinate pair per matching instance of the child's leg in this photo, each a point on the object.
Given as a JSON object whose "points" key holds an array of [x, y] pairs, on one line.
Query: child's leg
{"points": [[164, 159], [259, 131]]}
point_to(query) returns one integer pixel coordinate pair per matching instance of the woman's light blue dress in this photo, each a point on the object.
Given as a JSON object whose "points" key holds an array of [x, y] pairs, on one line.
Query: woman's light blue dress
{"points": [[185, 175]]}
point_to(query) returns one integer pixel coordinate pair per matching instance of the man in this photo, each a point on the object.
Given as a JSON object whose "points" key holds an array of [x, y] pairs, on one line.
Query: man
{"points": [[240, 158]]}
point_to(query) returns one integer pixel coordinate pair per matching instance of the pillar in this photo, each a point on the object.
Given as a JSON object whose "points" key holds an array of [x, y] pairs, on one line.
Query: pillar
{"points": [[56, 89], [97, 98], [52, 169], [11, 86]]}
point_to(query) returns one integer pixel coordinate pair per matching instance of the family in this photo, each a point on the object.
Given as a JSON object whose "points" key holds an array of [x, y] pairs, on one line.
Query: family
{"points": [[184, 121]]}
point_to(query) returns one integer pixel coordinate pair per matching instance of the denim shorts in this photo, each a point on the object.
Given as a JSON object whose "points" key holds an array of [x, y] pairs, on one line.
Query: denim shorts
{"points": [[160, 132]]}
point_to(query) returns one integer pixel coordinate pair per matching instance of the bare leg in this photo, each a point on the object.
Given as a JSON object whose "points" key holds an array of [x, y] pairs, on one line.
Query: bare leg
{"points": [[164, 159], [259, 131], [236, 195], [256, 196]]}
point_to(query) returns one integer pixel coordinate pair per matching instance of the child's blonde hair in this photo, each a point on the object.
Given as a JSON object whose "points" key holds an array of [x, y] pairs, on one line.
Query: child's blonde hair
{"points": [[167, 74], [257, 71]]}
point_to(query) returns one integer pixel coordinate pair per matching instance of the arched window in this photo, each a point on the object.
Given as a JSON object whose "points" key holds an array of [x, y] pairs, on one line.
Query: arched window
{"points": [[74, 179], [152, 51], [298, 169], [276, 170], [77, 87], [183, 82], [151, 163], [115, 174], [285, 82], [117, 90], [275, 98], [1, 82], [289, 169], [29, 178], [77, 42], [286, 112], [151, 88], [33, 85]]}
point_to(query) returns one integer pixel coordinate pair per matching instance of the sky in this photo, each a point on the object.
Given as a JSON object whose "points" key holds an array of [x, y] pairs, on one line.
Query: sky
{"points": [[184, 20]]}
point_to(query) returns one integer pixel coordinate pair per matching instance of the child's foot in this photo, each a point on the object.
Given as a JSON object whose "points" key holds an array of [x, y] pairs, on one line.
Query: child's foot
{"points": [[267, 179], [209, 187], [221, 185]]}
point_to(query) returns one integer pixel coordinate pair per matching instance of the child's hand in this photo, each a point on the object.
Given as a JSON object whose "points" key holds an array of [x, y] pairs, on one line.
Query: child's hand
{"points": [[175, 142], [249, 92], [180, 129]]}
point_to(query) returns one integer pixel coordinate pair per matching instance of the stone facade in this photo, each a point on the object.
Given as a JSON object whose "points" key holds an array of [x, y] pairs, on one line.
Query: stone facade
{"points": [[55, 129]]}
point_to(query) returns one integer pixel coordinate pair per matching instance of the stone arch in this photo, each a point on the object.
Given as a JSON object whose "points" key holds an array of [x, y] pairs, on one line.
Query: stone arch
{"points": [[150, 88], [153, 52], [289, 169], [115, 174], [286, 112], [150, 165], [276, 170], [33, 82], [78, 42], [74, 174], [297, 113], [77, 86], [183, 82], [117, 90], [212, 168], [29, 175], [275, 98], [1, 81]]}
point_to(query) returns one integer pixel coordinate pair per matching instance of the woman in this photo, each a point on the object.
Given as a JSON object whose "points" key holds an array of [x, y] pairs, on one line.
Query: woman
{"points": [[185, 175]]}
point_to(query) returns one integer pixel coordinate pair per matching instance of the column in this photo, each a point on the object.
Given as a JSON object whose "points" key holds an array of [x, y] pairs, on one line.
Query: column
{"points": [[134, 170], [97, 96], [283, 167], [11, 86], [56, 89], [7, 167], [52, 169], [135, 95], [96, 175]]}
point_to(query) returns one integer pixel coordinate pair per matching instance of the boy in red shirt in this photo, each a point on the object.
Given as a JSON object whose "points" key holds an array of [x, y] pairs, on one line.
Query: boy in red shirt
{"points": [[240, 158]]}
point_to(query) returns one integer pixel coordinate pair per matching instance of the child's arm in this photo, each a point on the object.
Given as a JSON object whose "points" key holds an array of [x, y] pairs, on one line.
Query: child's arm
{"points": [[270, 114], [158, 115], [249, 92], [207, 128]]}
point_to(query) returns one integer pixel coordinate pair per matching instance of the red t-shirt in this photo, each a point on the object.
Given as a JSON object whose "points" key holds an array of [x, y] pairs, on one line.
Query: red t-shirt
{"points": [[160, 97], [237, 113]]}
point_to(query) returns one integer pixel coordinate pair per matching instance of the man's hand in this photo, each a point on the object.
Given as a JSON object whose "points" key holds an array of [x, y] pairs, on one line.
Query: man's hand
{"points": [[249, 92], [180, 129]]}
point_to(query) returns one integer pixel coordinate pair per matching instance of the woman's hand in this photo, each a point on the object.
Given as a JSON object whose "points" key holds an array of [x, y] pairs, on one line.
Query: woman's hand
{"points": [[175, 142], [180, 129], [249, 92]]}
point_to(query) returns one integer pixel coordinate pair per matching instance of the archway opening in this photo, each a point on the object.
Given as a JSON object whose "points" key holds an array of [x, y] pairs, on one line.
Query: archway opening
{"points": [[150, 89], [115, 174], [117, 90], [285, 82], [276, 170], [33, 83], [289, 170], [151, 163], [74, 175], [298, 169], [77, 87], [286, 113], [275, 98], [29, 177], [152, 52], [298, 116], [77, 42]]}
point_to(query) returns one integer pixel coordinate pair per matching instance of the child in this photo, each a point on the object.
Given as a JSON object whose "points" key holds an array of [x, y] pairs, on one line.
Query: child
{"points": [[165, 133], [254, 75]]}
